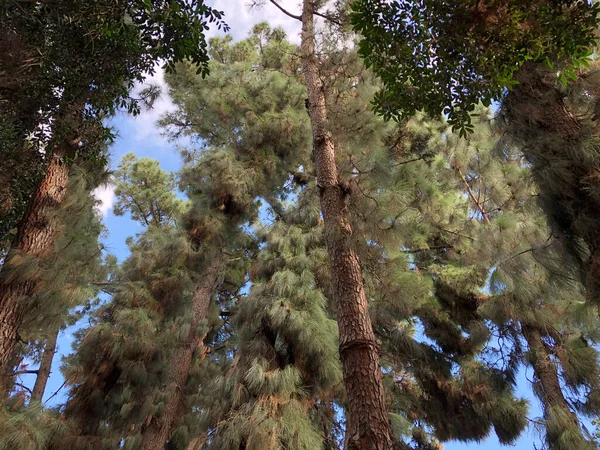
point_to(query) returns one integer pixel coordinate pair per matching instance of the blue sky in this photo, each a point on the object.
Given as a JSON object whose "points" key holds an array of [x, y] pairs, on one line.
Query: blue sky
{"points": [[140, 136]]}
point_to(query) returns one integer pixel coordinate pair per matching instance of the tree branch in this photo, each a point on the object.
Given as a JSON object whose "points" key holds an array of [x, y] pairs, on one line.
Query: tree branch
{"points": [[408, 161], [23, 372], [24, 387], [424, 249], [286, 12], [56, 392], [328, 17], [479, 207]]}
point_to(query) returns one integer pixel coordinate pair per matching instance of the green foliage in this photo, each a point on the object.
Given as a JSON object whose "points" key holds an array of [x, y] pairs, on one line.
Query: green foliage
{"points": [[457, 257], [26, 427], [20, 174], [556, 129], [439, 56], [561, 434], [104, 47], [478, 231], [67, 275], [147, 192], [120, 364], [79, 60], [286, 345]]}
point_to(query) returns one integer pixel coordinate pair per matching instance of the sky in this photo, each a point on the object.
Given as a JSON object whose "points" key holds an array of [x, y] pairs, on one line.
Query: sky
{"points": [[141, 136]]}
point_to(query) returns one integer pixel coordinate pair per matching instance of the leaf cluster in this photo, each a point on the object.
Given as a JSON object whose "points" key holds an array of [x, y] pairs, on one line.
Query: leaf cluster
{"points": [[440, 56]]}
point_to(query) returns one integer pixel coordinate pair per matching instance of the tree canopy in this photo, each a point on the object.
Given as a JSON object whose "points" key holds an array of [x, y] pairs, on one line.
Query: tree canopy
{"points": [[314, 275], [440, 56]]}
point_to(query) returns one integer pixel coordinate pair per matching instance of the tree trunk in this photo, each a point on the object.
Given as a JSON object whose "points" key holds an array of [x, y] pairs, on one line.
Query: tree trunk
{"points": [[44, 370], [549, 391], [197, 443], [368, 426], [156, 434], [537, 99], [551, 136], [35, 239]]}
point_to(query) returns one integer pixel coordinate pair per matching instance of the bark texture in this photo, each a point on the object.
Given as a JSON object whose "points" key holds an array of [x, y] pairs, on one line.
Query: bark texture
{"points": [[45, 366], [548, 389], [158, 431], [368, 426], [35, 238]]}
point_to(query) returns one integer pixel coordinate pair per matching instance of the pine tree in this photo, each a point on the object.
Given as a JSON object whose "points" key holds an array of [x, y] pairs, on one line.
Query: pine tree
{"points": [[91, 60], [401, 210], [555, 126], [368, 425], [546, 118], [286, 369], [505, 235], [150, 295], [68, 284], [222, 182], [351, 91], [463, 280], [66, 290]]}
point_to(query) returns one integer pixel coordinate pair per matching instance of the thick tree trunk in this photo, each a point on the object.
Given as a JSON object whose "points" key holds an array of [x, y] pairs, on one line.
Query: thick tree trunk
{"points": [[156, 434], [549, 391], [537, 99], [35, 239], [45, 366], [551, 135], [368, 425]]}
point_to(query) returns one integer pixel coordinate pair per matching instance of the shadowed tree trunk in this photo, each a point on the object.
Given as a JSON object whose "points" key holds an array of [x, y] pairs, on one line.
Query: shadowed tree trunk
{"points": [[35, 239], [45, 366], [552, 140], [548, 390], [156, 434], [368, 425]]}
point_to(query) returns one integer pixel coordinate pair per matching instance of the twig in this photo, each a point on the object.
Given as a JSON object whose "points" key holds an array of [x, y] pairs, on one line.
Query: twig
{"points": [[56, 392], [479, 207], [456, 233], [23, 372], [24, 387], [424, 249], [408, 161], [354, 166]]}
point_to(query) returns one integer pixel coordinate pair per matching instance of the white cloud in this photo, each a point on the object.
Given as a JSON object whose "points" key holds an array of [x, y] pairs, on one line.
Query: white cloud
{"points": [[106, 196]]}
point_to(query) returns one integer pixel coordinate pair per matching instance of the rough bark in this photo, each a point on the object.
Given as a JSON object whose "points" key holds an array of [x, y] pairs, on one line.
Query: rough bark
{"points": [[197, 443], [45, 366], [35, 239], [545, 370], [368, 425], [547, 386], [158, 431]]}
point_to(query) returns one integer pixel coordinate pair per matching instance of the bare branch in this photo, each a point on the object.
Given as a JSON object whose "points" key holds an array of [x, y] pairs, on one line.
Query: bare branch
{"points": [[286, 12], [479, 206], [24, 387], [328, 17], [23, 372], [56, 392]]}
